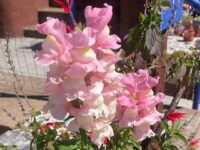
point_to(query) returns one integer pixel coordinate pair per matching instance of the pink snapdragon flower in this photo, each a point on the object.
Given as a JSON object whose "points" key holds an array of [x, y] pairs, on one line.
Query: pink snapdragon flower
{"points": [[82, 81], [106, 41], [137, 103], [55, 28], [98, 18]]}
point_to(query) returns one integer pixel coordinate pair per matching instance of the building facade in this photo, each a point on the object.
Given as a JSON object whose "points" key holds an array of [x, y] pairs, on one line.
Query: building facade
{"points": [[16, 15]]}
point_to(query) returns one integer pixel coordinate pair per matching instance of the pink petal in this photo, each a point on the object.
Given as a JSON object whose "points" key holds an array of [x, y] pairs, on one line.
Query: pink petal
{"points": [[98, 18], [55, 28], [124, 101], [142, 131], [45, 57], [76, 70]]}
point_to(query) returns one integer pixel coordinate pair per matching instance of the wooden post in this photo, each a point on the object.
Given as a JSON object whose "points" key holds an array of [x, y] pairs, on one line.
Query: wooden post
{"points": [[161, 70]]}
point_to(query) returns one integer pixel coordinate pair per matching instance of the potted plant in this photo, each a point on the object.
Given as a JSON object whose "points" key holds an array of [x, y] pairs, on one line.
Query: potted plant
{"points": [[188, 34], [187, 22]]}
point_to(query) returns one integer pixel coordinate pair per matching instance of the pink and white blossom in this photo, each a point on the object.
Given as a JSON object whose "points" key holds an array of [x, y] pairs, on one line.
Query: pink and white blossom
{"points": [[82, 81], [98, 18], [137, 102]]}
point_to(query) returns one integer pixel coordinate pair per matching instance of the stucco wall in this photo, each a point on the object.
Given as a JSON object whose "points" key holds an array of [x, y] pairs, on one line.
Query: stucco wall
{"points": [[17, 14]]}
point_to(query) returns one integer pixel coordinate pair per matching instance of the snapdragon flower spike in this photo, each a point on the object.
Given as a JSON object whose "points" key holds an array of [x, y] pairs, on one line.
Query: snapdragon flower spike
{"points": [[174, 116], [82, 80], [98, 18], [138, 103]]}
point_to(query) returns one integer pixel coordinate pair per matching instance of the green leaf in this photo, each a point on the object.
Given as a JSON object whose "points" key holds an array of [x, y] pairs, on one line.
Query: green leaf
{"points": [[191, 149], [165, 140], [13, 148], [68, 145], [83, 134], [63, 147], [150, 38], [178, 54], [178, 135], [165, 125], [134, 39], [165, 3], [172, 147], [174, 127], [141, 17], [37, 113]]}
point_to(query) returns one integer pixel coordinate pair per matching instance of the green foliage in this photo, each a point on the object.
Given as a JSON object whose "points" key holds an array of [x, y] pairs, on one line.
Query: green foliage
{"points": [[146, 38], [82, 142], [3, 147], [170, 134], [180, 60], [44, 140], [123, 140], [165, 3], [148, 27], [48, 139]]}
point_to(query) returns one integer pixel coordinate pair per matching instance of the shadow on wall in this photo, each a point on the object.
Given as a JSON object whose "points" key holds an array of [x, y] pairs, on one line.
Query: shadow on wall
{"points": [[4, 129], [35, 47]]}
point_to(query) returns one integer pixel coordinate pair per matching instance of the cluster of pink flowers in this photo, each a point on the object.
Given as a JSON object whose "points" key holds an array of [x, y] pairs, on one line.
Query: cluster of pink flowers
{"points": [[136, 105], [83, 83]]}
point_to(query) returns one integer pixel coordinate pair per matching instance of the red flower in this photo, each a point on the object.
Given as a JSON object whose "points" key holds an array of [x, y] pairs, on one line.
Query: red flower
{"points": [[51, 124], [42, 128], [174, 116], [193, 143], [64, 4], [105, 140]]}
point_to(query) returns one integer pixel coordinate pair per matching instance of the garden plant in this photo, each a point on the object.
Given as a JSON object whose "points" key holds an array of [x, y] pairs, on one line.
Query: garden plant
{"points": [[103, 97]]}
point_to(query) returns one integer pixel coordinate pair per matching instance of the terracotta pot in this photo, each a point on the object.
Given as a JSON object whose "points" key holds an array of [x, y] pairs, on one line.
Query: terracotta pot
{"points": [[179, 30], [188, 34]]}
